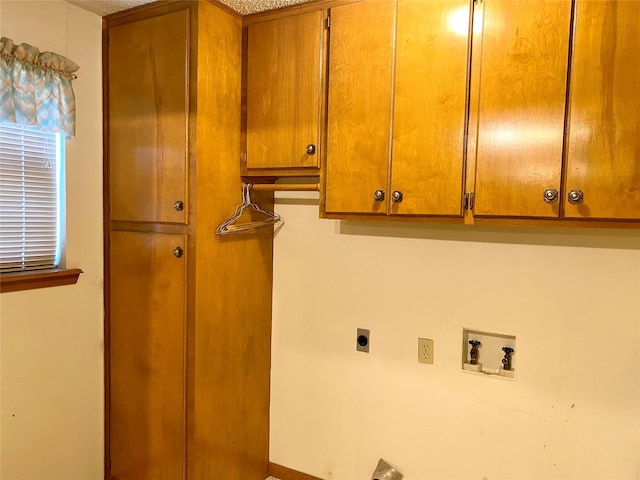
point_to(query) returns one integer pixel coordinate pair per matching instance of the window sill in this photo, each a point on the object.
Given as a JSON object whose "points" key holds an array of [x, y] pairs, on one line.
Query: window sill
{"points": [[17, 281]]}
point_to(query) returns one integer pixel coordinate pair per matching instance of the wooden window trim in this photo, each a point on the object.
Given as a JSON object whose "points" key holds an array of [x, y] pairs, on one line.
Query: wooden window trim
{"points": [[30, 280]]}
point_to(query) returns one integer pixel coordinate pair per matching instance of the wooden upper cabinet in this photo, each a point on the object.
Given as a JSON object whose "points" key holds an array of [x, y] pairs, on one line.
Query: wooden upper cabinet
{"points": [[148, 108], [147, 359], [409, 58], [359, 106], [522, 107], [284, 92], [431, 80], [603, 160]]}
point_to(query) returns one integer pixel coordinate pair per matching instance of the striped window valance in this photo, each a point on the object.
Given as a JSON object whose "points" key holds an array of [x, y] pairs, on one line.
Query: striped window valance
{"points": [[35, 88]]}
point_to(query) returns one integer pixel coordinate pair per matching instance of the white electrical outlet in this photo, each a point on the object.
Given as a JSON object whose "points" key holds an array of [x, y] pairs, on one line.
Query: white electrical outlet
{"points": [[425, 350]]}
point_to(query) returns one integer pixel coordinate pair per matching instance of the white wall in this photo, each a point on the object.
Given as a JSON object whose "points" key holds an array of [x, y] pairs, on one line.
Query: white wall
{"points": [[570, 296], [51, 361]]}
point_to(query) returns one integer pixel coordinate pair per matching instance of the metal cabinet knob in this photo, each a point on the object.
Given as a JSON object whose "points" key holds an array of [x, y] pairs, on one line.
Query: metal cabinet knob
{"points": [[178, 252], [178, 205], [576, 197], [550, 195], [378, 195], [311, 149], [396, 196]]}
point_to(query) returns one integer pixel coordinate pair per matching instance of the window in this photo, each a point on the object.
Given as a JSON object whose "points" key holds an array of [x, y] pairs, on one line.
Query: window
{"points": [[30, 166], [31, 209], [36, 91]]}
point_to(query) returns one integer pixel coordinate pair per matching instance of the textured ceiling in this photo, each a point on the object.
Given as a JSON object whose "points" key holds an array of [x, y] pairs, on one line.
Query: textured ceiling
{"points": [[106, 7], [253, 6]]}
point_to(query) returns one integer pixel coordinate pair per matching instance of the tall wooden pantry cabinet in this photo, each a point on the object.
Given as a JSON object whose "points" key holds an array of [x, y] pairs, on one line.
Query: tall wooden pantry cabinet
{"points": [[188, 313]]}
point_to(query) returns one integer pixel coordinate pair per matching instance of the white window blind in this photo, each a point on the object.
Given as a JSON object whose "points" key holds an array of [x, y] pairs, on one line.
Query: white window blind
{"points": [[30, 163]]}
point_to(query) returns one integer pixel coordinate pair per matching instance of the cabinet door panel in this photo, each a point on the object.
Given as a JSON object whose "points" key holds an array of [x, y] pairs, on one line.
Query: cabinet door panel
{"points": [[522, 106], [283, 91], [147, 335], [148, 107], [430, 106], [604, 131], [359, 108]]}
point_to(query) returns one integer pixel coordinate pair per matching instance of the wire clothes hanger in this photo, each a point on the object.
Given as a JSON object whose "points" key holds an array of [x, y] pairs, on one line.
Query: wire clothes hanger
{"points": [[229, 227]]}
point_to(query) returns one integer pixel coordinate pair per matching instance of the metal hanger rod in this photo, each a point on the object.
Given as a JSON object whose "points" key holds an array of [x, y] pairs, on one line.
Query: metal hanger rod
{"points": [[285, 187]]}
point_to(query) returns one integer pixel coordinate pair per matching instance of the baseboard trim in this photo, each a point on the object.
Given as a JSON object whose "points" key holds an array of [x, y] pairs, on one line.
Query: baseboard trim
{"points": [[285, 473]]}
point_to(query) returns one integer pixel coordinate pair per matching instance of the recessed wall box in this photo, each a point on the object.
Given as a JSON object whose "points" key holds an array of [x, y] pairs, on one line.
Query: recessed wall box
{"points": [[489, 353]]}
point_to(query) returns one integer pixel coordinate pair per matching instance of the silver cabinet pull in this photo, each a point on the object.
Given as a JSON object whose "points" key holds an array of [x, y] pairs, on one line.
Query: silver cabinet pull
{"points": [[576, 197], [550, 195], [178, 252], [178, 205], [311, 149], [396, 196], [378, 195]]}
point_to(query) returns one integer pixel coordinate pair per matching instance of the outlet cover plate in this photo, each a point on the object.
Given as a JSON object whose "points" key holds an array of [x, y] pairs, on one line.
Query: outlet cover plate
{"points": [[425, 350]]}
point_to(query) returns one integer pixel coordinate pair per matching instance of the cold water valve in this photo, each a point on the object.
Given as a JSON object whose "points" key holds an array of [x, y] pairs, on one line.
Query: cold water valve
{"points": [[506, 361]]}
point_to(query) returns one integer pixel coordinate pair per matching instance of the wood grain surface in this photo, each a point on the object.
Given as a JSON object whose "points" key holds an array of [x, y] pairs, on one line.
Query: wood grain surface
{"points": [[359, 106], [148, 107], [231, 343], [431, 79], [147, 358], [603, 158], [283, 92], [522, 106]]}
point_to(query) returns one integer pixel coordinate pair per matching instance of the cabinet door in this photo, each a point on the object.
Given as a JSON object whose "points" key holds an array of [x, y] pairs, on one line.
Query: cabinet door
{"points": [[603, 161], [430, 106], [522, 106], [284, 83], [148, 116], [359, 106], [147, 361]]}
